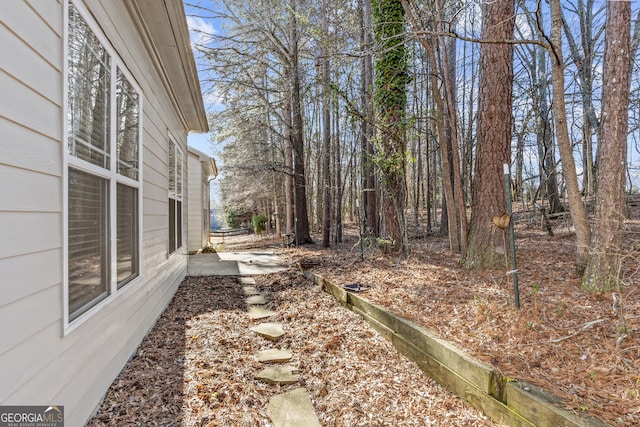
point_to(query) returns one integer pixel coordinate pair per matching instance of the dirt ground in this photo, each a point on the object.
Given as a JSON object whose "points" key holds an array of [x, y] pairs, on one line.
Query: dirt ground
{"points": [[576, 344], [197, 366], [579, 345]]}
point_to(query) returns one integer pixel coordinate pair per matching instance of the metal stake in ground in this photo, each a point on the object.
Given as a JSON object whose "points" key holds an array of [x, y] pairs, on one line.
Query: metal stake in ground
{"points": [[360, 229], [512, 236]]}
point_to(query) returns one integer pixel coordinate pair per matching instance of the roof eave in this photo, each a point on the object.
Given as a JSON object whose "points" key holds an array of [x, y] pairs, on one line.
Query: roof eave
{"points": [[163, 25]]}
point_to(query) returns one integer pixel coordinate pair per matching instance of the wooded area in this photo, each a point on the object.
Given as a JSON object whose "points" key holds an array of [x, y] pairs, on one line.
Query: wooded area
{"points": [[399, 115]]}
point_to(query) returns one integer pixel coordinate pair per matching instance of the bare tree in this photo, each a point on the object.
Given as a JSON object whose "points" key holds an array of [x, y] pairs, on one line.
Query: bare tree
{"points": [[369, 187], [576, 205], [324, 66], [603, 271], [583, 54]]}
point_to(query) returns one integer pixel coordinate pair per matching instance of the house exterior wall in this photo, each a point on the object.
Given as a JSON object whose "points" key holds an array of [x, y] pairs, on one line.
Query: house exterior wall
{"points": [[198, 221], [44, 360]]}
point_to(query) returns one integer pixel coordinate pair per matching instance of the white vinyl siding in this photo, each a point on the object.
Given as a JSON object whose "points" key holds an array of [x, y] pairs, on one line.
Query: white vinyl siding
{"points": [[198, 203], [43, 358]]}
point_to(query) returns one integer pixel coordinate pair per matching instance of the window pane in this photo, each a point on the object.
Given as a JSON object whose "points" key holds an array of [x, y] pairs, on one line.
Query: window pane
{"points": [[128, 124], [172, 169], [89, 93], [178, 224], [172, 225], [127, 223], [88, 241], [178, 173]]}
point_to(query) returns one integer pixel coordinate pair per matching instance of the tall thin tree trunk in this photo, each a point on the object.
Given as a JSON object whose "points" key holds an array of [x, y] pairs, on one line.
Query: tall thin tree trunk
{"points": [[584, 65], [603, 271], [576, 206], [302, 218], [326, 129], [544, 134], [460, 211], [369, 189], [288, 153], [454, 204], [338, 185]]}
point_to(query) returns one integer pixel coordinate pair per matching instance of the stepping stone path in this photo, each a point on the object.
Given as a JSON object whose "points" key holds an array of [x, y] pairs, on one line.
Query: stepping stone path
{"points": [[256, 313], [250, 290], [256, 299], [279, 375], [247, 280], [292, 409], [272, 331], [274, 355]]}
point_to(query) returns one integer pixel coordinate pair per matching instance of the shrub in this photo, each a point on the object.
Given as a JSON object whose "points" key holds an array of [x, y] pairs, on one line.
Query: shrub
{"points": [[259, 223]]}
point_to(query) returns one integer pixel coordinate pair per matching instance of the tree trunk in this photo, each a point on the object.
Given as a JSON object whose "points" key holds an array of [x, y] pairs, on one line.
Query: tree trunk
{"points": [[326, 131], [454, 209], [288, 153], [299, 177], [369, 191], [576, 206], [584, 66], [493, 137], [603, 271], [390, 96], [453, 148], [338, 185], [544, 135]]}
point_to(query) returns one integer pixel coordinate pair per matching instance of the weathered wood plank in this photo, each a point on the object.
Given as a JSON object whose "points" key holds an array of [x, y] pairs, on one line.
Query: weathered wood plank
{"points": [[379, 327], [459, 386], [545, 411], [338, 293]]}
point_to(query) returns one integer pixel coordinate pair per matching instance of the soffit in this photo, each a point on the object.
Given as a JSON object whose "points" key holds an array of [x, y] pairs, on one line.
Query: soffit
{"points": [[163, 25]]}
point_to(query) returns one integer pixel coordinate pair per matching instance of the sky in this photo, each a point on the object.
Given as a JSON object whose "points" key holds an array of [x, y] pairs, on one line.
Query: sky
{"points": [[199, 27], [202, 141]]}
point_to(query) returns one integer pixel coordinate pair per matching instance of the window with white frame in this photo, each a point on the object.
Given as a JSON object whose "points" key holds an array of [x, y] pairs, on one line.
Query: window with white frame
{"points": [[103, 170], [175, 197]]}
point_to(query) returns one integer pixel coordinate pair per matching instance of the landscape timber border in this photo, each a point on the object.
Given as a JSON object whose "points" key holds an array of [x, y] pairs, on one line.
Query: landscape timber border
{"points": [[503, 399]]}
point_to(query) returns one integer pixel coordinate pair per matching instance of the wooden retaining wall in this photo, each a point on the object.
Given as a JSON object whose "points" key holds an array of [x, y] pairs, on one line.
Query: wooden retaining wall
{"points": [[503, 399]]}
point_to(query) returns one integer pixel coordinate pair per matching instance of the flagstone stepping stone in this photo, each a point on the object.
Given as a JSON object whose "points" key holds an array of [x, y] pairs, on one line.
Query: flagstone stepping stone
{"points": [[274, 355], [250, 290], [272, 331], [256, 299], [247, 280], [279, 375], [292, 409], [260, 313]]}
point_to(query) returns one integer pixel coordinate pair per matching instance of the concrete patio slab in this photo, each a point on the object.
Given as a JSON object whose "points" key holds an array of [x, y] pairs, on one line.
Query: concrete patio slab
{"points": [[234, 264]]}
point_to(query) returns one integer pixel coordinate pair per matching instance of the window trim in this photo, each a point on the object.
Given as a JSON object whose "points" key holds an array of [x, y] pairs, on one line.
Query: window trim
{"points": [[111, 174], [177, 198]]}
